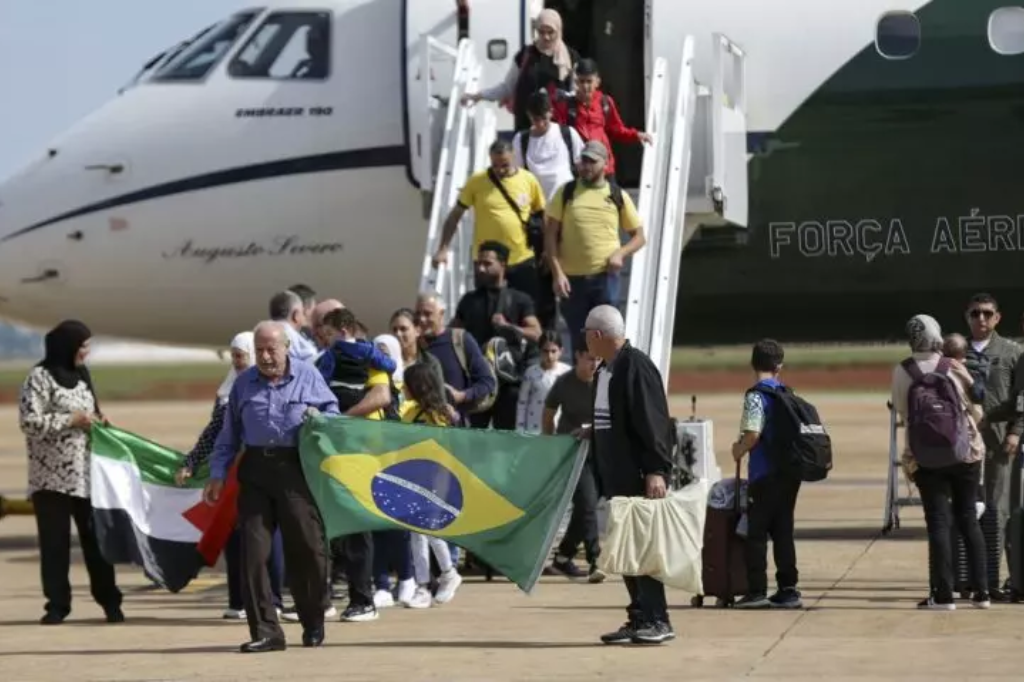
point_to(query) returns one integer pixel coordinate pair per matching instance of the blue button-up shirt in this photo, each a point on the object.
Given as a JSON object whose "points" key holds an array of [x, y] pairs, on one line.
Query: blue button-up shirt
{"points": [[262, 414]]}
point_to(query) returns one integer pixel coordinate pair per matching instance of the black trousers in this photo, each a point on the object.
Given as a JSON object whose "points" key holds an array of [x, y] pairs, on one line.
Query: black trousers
{"points": [[357, 565], [502, 414], [273, 493], [583, 521], [948, 496], [647, 602], [54, 512], [537, 283], [770, 508]]}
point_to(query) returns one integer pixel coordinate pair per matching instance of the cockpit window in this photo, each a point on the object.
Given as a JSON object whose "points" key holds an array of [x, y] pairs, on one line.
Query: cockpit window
{"points": [[288, 45], [201, 56]]}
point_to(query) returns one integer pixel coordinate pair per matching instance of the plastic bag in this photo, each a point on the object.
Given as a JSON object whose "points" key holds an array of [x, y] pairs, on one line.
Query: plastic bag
{"points": [[658, 538]]}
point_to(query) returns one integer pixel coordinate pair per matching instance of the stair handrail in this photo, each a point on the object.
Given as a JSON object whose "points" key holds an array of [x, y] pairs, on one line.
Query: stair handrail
{"points": [[459, 259], [433, 279], [484, 132], [677, 181], [649, 205]]}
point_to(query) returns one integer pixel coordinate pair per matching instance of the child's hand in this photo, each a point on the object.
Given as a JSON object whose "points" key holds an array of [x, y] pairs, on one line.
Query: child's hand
{"points": [[645, 138]]}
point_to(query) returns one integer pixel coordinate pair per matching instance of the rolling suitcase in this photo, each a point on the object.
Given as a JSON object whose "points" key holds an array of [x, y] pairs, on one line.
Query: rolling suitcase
{"points": [[724, 566]]}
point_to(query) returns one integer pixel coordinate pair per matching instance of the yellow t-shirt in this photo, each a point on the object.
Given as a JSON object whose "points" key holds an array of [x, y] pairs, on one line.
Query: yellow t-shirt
{"points": [[411, 414], [494, 218], [375, 377], [590, 228]]}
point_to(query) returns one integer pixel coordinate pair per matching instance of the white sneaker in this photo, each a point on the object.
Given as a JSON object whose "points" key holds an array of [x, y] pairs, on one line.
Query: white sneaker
{"points": [[447, 584], [405, 592], [383, 599], [979, 508], [292, 616], [421, 598], [330, 612], [234, 614]]}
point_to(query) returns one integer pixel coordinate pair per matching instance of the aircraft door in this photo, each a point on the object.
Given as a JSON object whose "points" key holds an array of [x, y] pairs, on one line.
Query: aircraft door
{"points": [[729, 132]]}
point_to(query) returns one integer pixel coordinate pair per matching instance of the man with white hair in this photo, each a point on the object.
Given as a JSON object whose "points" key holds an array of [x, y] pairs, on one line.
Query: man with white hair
{"points": [[287, 308], [266, 408], [631, 449]]}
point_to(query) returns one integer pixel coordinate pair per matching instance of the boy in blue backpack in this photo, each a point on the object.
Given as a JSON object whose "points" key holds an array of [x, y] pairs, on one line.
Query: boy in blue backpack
{"points": [[771, 492]]}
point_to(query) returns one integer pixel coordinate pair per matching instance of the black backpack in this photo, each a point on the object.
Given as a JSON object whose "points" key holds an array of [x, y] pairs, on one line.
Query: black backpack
{"points": [[524, 144], [798, 443], [348, 384], [614, 194]]}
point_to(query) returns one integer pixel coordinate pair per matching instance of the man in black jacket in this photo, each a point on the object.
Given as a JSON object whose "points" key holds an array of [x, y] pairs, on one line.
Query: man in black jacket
{"points": [[631, 441]]}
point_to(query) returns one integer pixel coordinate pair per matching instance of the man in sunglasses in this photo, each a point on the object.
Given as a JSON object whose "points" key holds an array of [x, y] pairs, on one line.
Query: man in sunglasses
{"points": [[992, 361]]}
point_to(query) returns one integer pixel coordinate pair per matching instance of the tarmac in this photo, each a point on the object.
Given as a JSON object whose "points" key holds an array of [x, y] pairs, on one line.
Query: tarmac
{"points": [[860, 591]]}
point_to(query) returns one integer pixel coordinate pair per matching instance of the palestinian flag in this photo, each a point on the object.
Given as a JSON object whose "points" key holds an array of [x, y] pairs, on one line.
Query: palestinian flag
{"points": [[500, 495], [142, 517]]}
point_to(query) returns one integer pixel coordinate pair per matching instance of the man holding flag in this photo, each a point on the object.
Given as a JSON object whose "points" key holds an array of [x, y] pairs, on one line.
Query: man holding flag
{"points": [[267, 406]]}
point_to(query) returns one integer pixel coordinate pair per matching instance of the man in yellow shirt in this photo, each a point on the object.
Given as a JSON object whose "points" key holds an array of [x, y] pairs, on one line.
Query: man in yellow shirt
{"points": [[582, 241], [491, 195]]}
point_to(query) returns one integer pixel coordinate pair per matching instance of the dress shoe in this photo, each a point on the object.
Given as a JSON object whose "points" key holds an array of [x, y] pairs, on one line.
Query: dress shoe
{"points": [[260, 646], [115, 615], [313, 637]]}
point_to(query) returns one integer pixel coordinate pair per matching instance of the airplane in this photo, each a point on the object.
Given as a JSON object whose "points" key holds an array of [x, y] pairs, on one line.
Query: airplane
{"points": [[286, 143]]}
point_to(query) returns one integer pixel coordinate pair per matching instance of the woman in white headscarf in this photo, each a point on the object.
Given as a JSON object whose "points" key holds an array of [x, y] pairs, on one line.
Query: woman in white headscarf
{"points": [[390, 346], [243, 356], [547, 64], [949, 492]]}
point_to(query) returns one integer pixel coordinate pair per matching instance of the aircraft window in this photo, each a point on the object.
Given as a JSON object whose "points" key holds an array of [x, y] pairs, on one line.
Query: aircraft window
{"points": [[291, 45], [898, 35], [202, 56], [1006, 30]]}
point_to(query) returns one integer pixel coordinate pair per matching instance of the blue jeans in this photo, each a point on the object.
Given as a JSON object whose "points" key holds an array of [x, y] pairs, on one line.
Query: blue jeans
{"points": [[586, 292], [391, 550], [275, 567]]}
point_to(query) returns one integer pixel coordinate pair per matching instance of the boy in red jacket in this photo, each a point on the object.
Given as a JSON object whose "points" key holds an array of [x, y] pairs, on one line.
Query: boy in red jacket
{"points": [[594, 115]]}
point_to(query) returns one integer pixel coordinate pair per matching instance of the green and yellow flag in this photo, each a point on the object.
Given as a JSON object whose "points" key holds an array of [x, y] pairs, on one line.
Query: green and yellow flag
{"points": [[498, 494]]}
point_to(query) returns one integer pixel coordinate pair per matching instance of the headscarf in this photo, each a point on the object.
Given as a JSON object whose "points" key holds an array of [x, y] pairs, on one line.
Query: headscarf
{"points": [[559, 52], [246, 342], [395, 352], [925, 334], [62, 344]]}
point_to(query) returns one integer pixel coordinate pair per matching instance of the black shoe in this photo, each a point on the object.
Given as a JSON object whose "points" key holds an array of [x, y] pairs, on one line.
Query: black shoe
{"points": [[999, 596], [753, 601], [115, 615], [656, 633], [788, 598], [52, 618], [262, 646], [624, 635], [359, 614], [568, 568], [981, 600], [313, 637]]}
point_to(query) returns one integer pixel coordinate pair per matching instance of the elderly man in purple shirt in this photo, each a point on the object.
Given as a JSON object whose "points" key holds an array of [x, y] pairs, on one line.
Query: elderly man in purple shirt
{"points": [[268, 405]]}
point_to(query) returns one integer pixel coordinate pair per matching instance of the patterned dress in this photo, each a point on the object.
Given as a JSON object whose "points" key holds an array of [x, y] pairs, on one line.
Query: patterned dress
{"points": [[533, 391], [58, 454]]}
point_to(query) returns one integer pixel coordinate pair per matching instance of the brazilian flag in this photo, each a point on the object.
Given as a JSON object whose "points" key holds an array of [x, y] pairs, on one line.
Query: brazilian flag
{"points": [[498, 494]]}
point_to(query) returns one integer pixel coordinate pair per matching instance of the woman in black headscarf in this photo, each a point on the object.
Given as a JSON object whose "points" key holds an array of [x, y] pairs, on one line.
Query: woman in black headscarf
{"points": [[58, 408]]}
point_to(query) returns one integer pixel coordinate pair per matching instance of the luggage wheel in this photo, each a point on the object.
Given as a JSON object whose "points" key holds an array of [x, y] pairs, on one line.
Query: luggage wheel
{"points": [[697, 601], [725, 602]]}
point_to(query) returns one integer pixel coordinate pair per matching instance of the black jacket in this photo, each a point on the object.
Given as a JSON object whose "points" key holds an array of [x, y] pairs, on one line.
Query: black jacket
{"points": [[641, 433]]}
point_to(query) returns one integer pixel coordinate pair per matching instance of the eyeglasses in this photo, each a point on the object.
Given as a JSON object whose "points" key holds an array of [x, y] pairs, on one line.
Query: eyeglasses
{"points": [[977, 312]]}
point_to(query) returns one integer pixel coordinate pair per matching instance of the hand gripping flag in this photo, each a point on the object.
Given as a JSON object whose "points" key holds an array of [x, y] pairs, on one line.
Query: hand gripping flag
{"points": [[498, 494], [143, 517]]}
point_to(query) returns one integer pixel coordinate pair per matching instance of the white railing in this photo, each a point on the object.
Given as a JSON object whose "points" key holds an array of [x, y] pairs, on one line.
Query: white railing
{"points": [[649, 205], [421, 127], [669, 256], [453, 166], [729, 121]]}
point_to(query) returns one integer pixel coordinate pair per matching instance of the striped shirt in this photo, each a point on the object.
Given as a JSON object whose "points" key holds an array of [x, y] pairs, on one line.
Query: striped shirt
{"points": [[602, 408]]}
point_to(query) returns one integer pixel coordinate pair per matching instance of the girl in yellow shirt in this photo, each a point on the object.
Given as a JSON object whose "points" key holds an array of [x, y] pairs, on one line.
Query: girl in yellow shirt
{"points": [[425, 403]]}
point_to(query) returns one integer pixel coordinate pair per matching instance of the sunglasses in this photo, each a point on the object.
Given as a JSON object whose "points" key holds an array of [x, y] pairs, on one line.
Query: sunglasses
{"points": [[987, 314]]}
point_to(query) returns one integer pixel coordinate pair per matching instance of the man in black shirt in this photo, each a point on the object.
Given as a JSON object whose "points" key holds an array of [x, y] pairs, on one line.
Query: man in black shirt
{"points": [[571, 398], [495, 310]]}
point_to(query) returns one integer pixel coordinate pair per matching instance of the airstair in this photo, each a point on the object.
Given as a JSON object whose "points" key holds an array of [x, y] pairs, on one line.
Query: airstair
{"points": [[693, 179]]}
